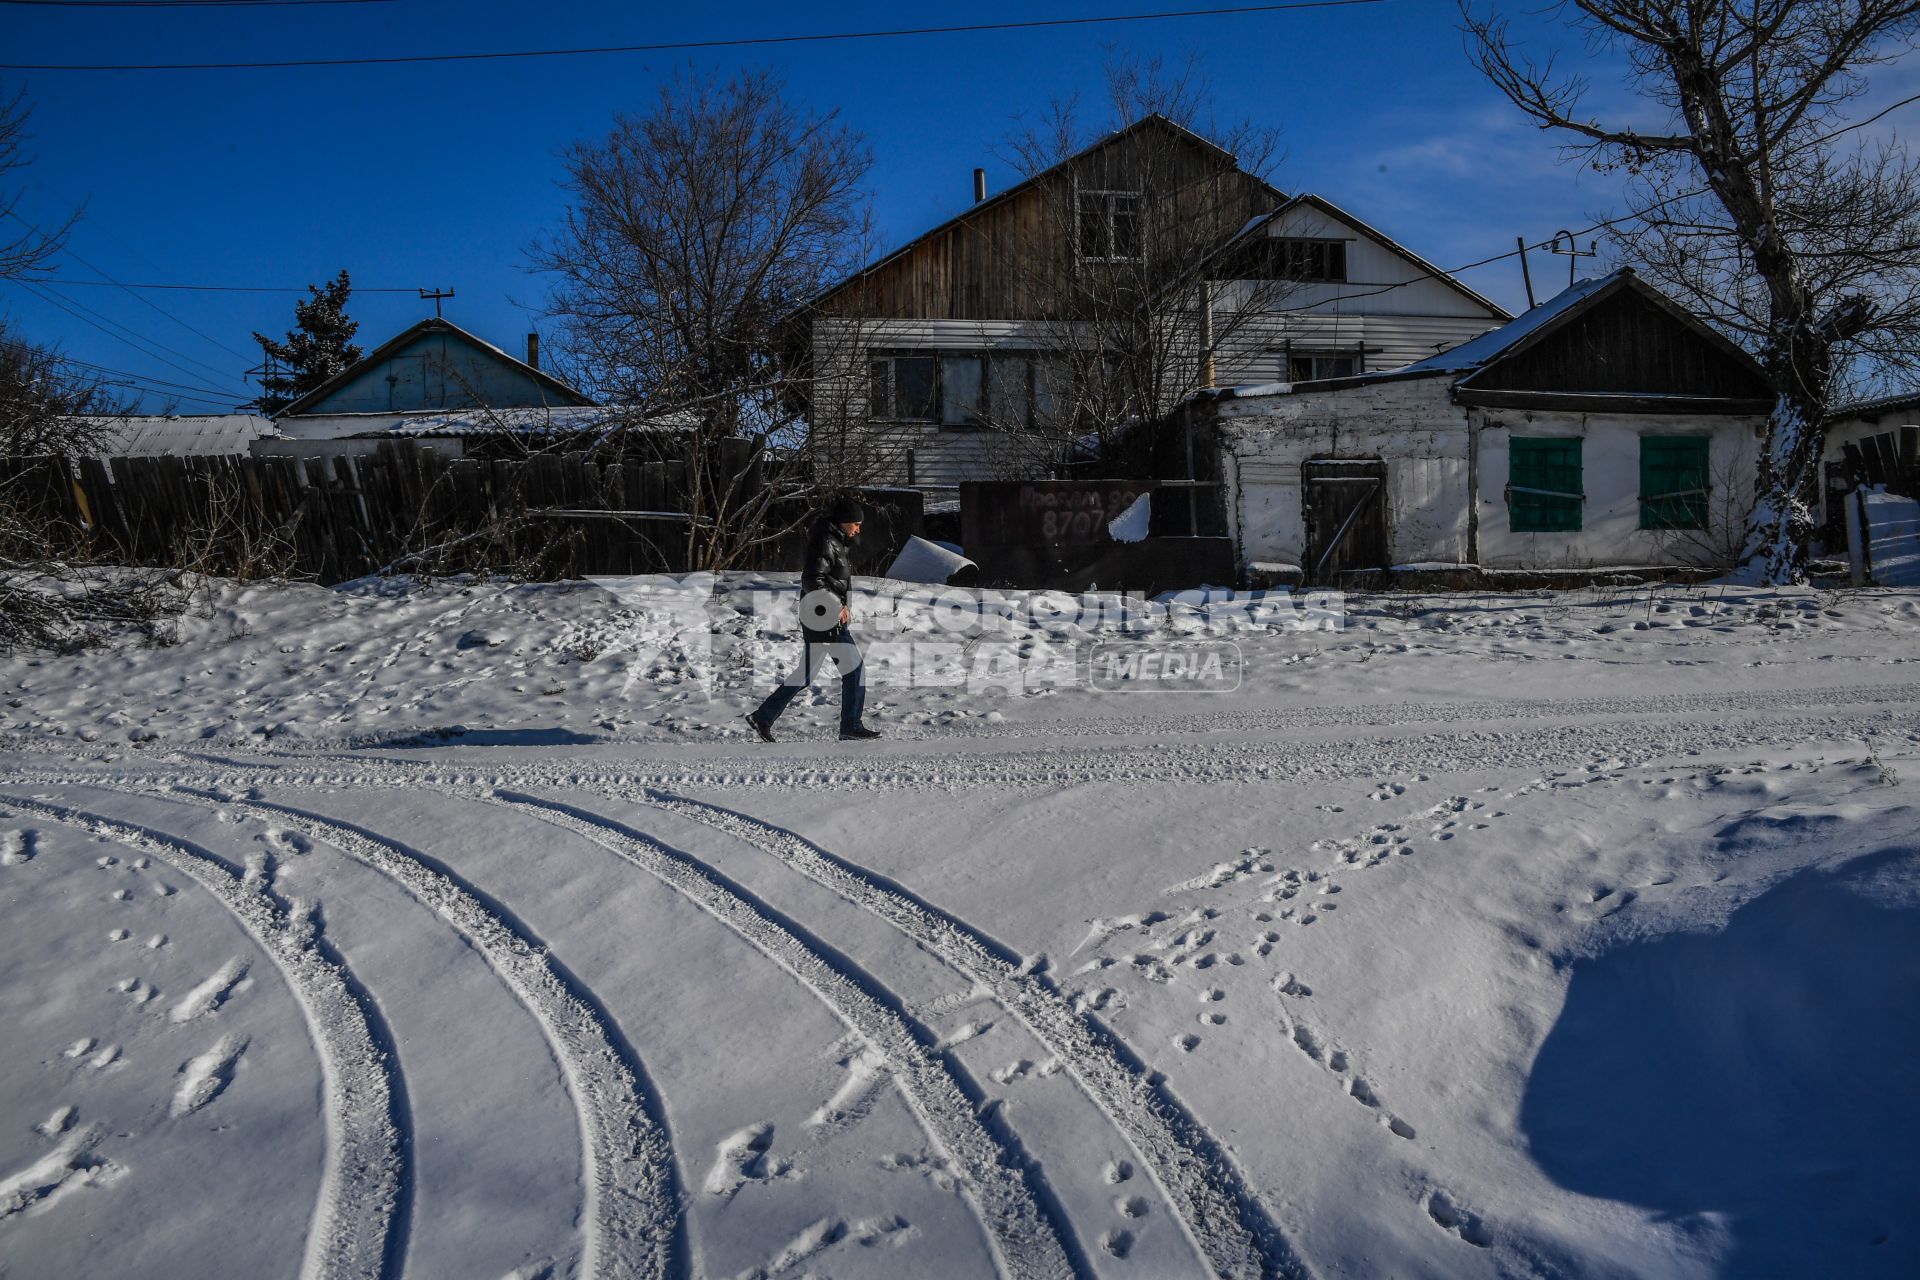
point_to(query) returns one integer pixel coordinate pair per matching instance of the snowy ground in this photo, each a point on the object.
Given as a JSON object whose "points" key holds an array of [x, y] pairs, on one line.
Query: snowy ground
{"points": [[462, 931]]}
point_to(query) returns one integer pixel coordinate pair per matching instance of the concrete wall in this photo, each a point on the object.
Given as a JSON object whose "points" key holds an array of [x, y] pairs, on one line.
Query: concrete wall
{"points": [[1437, 453], [1610, 532], [1410, 424]]}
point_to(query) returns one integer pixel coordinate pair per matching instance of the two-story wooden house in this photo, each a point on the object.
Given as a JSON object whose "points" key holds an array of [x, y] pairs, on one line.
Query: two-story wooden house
{"points": [[1108, 288]]}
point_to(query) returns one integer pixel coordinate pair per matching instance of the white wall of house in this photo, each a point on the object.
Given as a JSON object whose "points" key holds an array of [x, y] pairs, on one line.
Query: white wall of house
{"points": [[1409, 424], [1610, 532], [1388, 313], [920, 453], [1437, 452], [1371, 268]]}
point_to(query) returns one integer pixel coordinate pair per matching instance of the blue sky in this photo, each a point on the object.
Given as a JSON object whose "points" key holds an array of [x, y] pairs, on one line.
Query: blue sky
{"points": [[440, 175]]}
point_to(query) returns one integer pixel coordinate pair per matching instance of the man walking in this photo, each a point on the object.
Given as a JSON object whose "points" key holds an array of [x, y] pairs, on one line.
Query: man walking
{"points": [[826, 588]]}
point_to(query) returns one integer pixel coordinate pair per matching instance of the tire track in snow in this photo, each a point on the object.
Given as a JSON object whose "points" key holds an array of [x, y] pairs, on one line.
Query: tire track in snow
{"points": [[1394, 714], [1335, 759], [1222, 1216], [1025, 1243], [362, 1185], [632, 1211]]}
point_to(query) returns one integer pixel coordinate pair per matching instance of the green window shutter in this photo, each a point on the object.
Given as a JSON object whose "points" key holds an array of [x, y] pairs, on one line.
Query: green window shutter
{"points": [[1545, 485], [1673, 482]]}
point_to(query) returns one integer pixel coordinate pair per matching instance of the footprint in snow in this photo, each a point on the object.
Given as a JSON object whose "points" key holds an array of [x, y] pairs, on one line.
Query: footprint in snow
{"points": [[213, 992], [1448, 1214], [17, 847], [207, 1076], [72, 1162], [740, 1158], [136, 990]]}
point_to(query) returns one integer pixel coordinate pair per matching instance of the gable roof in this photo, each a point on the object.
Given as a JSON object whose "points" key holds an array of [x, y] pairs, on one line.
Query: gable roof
{"points": [[1472, 361], [1307, 199], [1524, 328], [1152, 121], [565, 393]]}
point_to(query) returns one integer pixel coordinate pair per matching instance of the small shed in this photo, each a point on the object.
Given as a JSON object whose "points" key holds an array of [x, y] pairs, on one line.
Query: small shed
{"points": [[1607, 427]]}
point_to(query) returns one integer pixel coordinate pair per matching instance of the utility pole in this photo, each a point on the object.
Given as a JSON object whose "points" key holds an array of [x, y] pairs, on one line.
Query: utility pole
{"points": [[1526, 272], [437, 296]]}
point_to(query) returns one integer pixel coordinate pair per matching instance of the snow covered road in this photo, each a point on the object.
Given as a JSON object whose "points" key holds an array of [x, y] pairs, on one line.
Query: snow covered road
{"points": [[1609, 975]]}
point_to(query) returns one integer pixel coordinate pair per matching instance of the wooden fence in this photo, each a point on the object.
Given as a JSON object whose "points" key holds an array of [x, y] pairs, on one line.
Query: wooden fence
{"points": [[335, 518], [402, 508]]}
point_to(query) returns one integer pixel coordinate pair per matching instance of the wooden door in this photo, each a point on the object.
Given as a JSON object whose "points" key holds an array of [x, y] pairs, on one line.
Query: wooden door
{"points": [[1345, 502]]}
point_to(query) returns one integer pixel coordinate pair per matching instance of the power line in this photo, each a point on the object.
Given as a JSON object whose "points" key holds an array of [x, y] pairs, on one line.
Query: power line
{"points": [[107, 279], [150, 340], [133, 341], [675, 46], [184, 4], [147, 381], [199, 288], [1601, 225]]}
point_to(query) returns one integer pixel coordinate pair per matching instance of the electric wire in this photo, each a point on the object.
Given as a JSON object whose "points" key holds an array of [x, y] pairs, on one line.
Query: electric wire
{"points": [[734, 42]]}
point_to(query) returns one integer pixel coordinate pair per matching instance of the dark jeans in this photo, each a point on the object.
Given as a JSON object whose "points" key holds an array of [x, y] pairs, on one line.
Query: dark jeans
{"points": [[816, 648]]}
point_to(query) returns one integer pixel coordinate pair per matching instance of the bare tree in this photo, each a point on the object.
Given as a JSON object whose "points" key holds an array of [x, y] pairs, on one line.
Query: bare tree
{"points": [[25, 250], [694, 231], [1754, 198], [46, 405], [1123, 269], [49, 406]]}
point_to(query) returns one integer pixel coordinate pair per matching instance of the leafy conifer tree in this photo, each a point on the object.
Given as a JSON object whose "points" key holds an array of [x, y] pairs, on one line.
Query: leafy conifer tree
{"points": [[319, 346]]}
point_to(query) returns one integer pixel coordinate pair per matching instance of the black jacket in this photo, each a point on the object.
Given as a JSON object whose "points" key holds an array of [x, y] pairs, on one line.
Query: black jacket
{"points": [[829, 563]]}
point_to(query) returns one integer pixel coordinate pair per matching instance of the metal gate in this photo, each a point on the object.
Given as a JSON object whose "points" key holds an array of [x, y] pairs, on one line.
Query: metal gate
{"points": [[1345, 502]]}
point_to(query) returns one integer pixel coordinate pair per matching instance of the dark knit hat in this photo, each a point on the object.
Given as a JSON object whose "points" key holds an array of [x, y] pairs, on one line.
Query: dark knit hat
{"points": [[845, 509]]}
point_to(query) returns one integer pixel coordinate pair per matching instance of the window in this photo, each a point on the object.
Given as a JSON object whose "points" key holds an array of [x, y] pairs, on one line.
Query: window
{"points": [[1545, 488], [902, 388], [1289, 258], [1307, 366], [1673, 482], [1107, 226], [963, 390]]}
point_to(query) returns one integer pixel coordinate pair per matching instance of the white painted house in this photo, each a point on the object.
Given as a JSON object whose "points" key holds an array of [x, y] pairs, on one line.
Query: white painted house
{"points": [[942, 361], [1606, 427]]}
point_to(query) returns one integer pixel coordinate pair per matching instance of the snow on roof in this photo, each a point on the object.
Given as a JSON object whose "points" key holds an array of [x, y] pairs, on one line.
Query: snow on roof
{"points": [[179, 436], [1492, 344], [567, 419], [1879, 405]]}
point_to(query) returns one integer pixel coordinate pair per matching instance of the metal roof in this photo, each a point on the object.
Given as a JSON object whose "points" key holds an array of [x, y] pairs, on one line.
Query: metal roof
{"points": [[178, 435]]}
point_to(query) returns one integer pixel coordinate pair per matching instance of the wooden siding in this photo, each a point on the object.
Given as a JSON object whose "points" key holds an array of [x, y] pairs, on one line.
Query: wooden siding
{"points": [[1010, 257], [1625, 344]]}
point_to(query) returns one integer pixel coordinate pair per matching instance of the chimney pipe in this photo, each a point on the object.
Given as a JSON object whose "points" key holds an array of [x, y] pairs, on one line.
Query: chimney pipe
{"points": [[533, 350], [979, 185]]}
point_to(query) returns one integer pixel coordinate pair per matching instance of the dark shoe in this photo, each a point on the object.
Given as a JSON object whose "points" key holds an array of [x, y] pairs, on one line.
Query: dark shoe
{"points": [[859, 733], [760, 727]]}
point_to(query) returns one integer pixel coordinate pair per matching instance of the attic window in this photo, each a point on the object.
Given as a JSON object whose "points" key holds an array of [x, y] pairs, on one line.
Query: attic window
{"points": [[1294, 258], [1107, 228]]}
